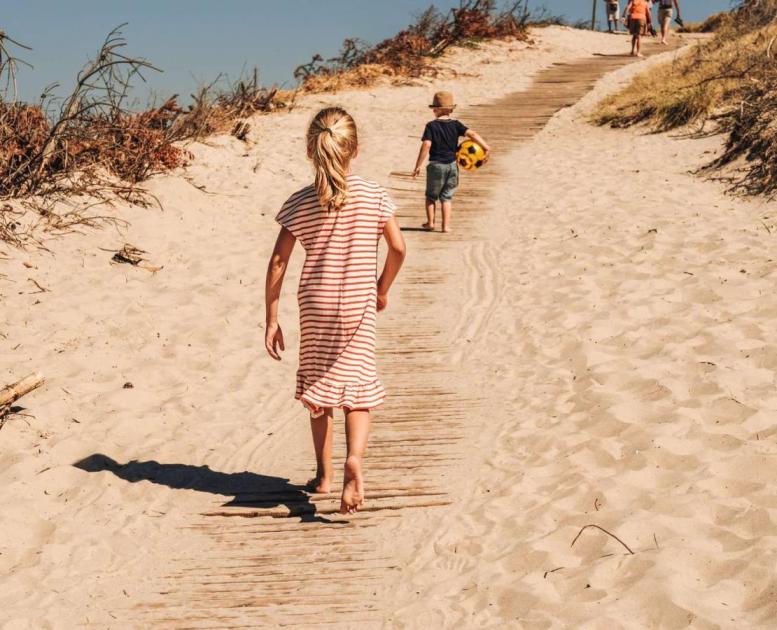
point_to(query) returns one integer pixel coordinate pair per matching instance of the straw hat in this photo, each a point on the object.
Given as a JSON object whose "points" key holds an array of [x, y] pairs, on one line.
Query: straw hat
{"points": [[442, 100]]}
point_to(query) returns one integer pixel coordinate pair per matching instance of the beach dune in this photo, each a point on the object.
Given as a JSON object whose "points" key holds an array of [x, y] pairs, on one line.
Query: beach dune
{"points": [[590, 347]]}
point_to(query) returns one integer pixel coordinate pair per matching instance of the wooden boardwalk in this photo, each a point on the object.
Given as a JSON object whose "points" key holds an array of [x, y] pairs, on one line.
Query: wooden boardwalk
{"points": [[278, 557]]}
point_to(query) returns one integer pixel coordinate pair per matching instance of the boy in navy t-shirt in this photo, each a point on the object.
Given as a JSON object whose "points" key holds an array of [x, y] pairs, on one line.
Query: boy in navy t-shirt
{"points": [[439, 142]]}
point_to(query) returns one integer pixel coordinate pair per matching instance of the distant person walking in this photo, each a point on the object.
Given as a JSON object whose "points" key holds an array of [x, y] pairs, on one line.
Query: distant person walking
{"points": [[613, 10], [665, 16], [637, 14]]}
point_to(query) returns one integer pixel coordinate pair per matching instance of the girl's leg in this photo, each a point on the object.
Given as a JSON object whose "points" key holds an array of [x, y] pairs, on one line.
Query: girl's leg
{"points": [[321, 428], [447, 206], [429, 225], [357, 430]]}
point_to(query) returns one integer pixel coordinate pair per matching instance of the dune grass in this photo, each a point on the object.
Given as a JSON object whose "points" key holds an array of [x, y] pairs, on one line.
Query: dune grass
{"points": [[411, 52], [729, 82]]}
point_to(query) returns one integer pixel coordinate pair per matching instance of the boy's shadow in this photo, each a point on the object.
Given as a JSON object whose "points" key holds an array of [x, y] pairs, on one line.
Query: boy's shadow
{"points": [[248, 489]]}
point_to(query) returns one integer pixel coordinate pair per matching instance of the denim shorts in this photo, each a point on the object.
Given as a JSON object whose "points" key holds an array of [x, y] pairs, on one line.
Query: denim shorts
{"points": [[441, 180]]}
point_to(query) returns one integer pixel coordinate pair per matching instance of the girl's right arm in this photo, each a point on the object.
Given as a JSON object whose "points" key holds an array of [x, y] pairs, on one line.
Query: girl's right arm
{"points": [[394, 260], [279, 261]]}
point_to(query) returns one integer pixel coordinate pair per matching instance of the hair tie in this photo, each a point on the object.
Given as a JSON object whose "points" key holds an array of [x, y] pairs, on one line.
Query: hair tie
{"points": [[331, 133]]}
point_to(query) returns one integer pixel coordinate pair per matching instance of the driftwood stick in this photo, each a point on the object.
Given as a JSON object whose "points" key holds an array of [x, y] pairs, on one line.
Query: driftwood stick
{"points": [[606, 532], [13, 392]]}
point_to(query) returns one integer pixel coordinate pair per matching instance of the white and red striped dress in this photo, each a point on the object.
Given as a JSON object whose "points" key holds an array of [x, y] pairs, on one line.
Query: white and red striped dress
{"points": [[338, 294]]}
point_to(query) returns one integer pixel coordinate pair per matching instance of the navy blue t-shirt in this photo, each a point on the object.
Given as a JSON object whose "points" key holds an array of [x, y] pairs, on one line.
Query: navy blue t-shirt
{"points": [[444, 135]]}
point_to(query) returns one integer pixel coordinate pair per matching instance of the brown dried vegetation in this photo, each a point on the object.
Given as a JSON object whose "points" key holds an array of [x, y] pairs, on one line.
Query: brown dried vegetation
{"points": [[93, 150], [410, 52]]}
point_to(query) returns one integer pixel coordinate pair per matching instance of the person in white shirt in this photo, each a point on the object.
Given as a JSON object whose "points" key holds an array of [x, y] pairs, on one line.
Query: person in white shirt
{"points": [[613, 9], [665, 16]]}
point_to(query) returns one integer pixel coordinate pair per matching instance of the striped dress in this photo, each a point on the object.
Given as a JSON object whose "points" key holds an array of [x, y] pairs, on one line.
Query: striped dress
{"points": [[338, 295]]}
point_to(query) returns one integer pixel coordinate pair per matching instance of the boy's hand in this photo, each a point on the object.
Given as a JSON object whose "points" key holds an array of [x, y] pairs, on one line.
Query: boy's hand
{"points": [[416, 171], [382, 302], [273, 339]]}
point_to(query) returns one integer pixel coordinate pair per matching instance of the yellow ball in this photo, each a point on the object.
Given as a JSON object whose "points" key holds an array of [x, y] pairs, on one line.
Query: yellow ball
{"points": [[470, 155]]}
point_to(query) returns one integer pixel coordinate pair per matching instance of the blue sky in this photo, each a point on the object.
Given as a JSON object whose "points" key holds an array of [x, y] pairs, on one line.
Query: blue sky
{"points": [[194, 40]]}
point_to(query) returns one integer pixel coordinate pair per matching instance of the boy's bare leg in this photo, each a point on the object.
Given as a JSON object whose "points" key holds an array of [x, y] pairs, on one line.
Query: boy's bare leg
{"points": [[664, 29], [430, 212], [357, 430], [639, 46], [447, 206], [633, 45], [321, 428]]}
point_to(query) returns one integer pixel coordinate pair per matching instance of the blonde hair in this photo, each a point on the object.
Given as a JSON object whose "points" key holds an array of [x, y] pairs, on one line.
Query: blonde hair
{"points": [[331, 144]]}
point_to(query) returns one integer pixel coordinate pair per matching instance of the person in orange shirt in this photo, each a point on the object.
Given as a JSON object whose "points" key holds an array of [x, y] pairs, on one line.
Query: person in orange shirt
{"points": [[638, 12]]}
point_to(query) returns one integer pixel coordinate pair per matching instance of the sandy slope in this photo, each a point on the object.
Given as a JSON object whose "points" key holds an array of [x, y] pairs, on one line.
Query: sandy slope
{"points": [[635, 392], [621, 369]]}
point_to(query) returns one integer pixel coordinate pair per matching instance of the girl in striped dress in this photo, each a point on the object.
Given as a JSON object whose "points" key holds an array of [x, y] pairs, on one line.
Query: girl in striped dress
{"points": [[339, 221]]}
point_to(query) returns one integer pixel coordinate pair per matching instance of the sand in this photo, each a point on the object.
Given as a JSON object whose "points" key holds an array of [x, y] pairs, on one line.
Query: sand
{"points": [[591, 346]]}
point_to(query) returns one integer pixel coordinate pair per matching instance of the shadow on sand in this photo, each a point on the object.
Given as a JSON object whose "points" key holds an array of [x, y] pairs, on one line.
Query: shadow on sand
{"points": [[248, 489]]}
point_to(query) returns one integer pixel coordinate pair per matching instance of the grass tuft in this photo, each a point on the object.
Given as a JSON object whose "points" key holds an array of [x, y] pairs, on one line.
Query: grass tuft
{"points": [[730, 81]]}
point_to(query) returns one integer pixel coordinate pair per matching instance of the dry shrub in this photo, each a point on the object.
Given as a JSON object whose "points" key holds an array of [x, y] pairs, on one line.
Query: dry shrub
{"points": [[94, 150], [712, 24], [360, 76], [410, 52], [730, 80], [750, 121], [131, 146], [92, 146], [217, 111], [23, 132]]}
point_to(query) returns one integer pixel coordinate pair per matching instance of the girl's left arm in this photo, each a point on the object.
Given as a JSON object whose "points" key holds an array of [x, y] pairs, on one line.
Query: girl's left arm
{"points": [[276, 270]]}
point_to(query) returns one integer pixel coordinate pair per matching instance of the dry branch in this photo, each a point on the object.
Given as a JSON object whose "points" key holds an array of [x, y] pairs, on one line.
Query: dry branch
{"points": [[131, 255], [585, 527], [13, 392]]}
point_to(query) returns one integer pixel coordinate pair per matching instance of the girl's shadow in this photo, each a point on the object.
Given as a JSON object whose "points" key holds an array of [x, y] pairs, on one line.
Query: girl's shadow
{"points": [[248, 489]]}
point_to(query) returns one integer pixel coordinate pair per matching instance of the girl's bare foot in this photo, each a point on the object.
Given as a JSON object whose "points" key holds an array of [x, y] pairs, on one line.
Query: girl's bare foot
{"points": [[318, 485], [447, 230], [353, 486], [428, 227]]}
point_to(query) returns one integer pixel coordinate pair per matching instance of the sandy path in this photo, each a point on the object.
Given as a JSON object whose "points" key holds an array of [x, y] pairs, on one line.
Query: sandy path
{"points": [[253, 570]]}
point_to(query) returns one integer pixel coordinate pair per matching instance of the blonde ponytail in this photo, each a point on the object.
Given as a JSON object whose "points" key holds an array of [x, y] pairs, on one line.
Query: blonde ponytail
{"points": [[331, 144]]}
